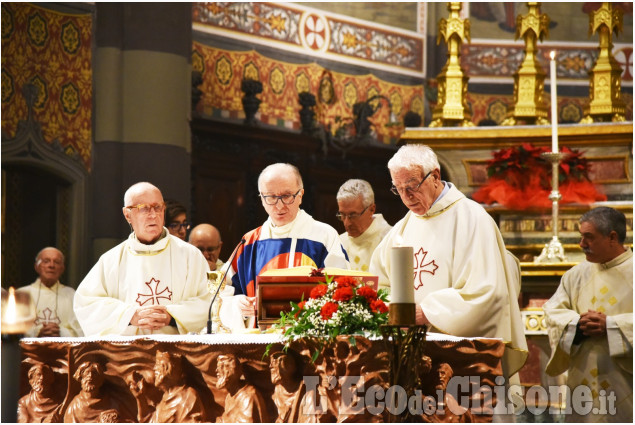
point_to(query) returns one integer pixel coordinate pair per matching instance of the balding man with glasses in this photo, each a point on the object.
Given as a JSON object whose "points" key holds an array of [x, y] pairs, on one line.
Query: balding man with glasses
{"points": [[289, 238], [364, 228], [153, 282], [465, 284]]}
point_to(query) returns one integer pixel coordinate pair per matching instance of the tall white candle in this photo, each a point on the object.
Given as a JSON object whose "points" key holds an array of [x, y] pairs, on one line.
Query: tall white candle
{"points": [[554, 103], [402, 289]]}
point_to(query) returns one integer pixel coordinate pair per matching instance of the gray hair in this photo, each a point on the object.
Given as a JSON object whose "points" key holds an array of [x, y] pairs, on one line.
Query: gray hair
{"points": [[280, 168], [135, 189], [354, 188], [414, 157], [607, 220]]}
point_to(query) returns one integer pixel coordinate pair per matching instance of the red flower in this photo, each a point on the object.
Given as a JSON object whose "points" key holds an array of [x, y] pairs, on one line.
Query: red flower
{"points": [[367, 292], [328, 310], [300, 308], [378, 306], [343, 294], [346, 281], [318, 291]]}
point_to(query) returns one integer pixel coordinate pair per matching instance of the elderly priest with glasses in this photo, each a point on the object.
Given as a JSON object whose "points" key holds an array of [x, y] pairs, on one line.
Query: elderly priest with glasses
{"points": [[153, 282], [466, 283], [364, 228], [289, 238]]}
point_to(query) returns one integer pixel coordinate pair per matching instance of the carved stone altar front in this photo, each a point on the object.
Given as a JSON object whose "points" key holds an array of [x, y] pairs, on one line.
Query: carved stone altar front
{"points": [[229, 378]]}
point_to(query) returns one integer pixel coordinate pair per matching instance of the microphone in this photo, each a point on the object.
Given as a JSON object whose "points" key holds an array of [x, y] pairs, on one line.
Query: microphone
{"points": [[209, 314]]}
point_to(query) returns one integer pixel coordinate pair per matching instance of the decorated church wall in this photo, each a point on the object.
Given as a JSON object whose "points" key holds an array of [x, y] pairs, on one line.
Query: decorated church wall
{"points": [[53, 51]]}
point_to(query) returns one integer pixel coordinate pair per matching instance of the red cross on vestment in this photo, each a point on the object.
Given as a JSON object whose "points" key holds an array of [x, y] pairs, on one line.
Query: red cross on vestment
{"points": [[154, 294]]}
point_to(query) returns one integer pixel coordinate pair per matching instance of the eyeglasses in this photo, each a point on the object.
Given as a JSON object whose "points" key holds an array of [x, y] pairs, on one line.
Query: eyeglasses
{"points": [[146, 208], [286, 199], [178, 226], [49, 261], [352, 216], [204, 249], [408, 189]]}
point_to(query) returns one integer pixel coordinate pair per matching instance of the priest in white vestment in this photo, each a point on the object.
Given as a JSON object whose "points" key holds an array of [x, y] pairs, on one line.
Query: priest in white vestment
{"points": [[590, 321], [464, 284], [153, 282], [53, 300], [364, 228]]}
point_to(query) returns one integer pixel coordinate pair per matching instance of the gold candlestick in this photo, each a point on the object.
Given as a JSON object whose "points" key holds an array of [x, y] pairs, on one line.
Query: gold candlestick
{"points": [[553, 252], [529, 80], [606, 103], [452, 104]]}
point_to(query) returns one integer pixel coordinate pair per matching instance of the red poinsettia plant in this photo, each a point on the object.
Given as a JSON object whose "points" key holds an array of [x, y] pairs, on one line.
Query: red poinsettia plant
{"points": [[520, 179], [344, 305]]}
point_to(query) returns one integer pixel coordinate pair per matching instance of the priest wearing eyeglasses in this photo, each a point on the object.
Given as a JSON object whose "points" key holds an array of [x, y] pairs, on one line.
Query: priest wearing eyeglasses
{"points": [[289, 238], [465, 282], [153, 282], [364, 228]]}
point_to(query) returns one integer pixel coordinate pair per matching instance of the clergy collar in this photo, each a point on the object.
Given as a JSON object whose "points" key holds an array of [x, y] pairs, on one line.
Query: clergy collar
{"points": [[448, 196], [139, 248], [285, 229], [617, 260], [39, 282]]}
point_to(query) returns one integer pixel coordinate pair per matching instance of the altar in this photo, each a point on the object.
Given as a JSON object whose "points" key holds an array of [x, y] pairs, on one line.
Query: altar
{"points": [[250, 378]]}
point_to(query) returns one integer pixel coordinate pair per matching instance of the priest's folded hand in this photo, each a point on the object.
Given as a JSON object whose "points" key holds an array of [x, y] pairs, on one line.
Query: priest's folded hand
{"points": [[49, 329], [151, 317], [593, 323]]}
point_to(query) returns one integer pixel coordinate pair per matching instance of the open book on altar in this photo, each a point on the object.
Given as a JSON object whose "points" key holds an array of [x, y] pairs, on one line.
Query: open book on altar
{"points": [[275, 289]]}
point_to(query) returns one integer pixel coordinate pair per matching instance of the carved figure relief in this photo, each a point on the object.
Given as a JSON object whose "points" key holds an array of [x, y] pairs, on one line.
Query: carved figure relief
{"points": [[88, 405], [242, 403], [156, 381], [41, 404]]}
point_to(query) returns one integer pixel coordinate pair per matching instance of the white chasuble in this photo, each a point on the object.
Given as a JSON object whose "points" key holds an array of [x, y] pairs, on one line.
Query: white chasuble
{"points": [[53, 305], [603, 364], [361, 248], [170, 272], [462, 279]]}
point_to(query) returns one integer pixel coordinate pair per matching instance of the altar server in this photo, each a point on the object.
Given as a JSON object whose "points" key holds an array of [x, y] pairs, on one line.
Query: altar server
{"points": [[153, 282], [53, 300], [289, 238], [466, 284], [364, 228], [590, 320]]}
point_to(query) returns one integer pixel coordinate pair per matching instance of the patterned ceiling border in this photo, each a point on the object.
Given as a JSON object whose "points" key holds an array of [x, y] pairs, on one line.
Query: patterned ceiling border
{"points": [[489, 60], [311, 32]]}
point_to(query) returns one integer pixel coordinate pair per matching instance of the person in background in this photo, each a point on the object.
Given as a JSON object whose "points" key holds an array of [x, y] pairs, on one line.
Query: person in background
{"points": [[289, 238], [465, 282], [53, 301], [364, 228], [176, 219], [153, 282], [207, 239], [590, 320]]}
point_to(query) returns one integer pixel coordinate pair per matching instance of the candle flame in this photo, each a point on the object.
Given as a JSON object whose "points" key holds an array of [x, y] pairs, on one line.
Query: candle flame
{"points": [[552, 54], [11, 315]]}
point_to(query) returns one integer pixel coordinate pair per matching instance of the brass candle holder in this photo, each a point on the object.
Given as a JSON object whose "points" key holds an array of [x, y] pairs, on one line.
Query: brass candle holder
{"points": [[553, 252]]}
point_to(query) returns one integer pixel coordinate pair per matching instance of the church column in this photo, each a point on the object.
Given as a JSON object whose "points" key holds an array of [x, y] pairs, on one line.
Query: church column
{"points": [[142, 92]]}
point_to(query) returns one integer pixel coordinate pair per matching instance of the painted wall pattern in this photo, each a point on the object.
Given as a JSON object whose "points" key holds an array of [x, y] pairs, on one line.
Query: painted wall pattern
{"points": [[223, 71], [574, 62], [336, 38], [52, 51]]}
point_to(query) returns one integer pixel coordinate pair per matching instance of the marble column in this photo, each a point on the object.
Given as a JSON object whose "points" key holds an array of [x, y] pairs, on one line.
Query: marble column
{"points": [[142, 90]]}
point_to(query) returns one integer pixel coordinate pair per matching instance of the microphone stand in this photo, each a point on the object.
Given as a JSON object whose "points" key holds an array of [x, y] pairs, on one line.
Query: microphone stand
{"points": [[209, 314]]}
